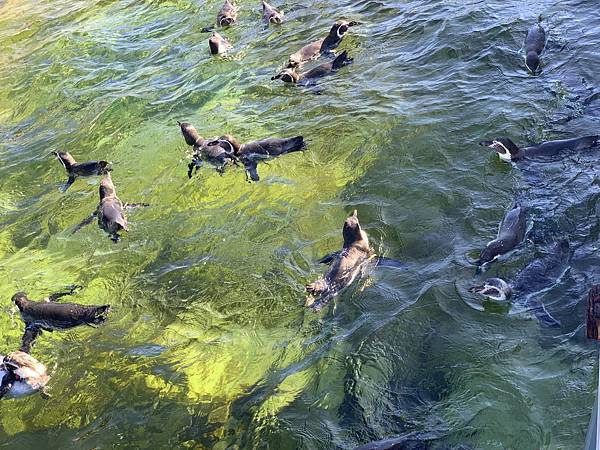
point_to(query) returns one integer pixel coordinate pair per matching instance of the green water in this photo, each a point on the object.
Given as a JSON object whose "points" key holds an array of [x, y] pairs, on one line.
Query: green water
{"points": [[208, 344]]}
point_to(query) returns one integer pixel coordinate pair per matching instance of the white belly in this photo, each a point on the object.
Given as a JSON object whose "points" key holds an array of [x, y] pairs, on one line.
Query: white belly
{"points": [[19, 388]]}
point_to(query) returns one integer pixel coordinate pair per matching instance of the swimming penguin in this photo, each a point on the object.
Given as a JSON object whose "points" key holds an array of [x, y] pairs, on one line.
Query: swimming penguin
{"points": [[50, 315], [538, 275], [21, 374], [510, 234], [228, 14], [291, 76], [323, 45], [270, 14], [534, 46], [110, 211], [508, 151], [84, 169], [251, 153], [218, 44], [344, 266]]}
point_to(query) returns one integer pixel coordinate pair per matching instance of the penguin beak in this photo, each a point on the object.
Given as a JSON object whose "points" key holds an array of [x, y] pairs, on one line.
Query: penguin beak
{"points": [[276, 77], [494, 146]]}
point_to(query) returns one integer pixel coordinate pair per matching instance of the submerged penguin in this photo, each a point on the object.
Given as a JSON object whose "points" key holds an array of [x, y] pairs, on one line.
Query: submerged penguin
{"points": [[510, 234], [251, 153], [270, 14], [537, 276], [534, 46], [21, 374], [291, 76], [323, 45], [51, 316], [110, 211], [508, 151], [228, 14], [218, 44], [84, 169], [346, 265]]}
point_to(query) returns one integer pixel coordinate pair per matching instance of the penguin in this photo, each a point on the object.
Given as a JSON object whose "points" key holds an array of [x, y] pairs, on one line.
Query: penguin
{"points": [[21, 374], [251, 153], [51, 316], [84, 169], [508, 151], [510, 234], [227, 15], [346, 265], [537, 276], [534, 46], [270, 14], [291, 76], [219, 154], [323, 45], [111, 211], [218, 44]]}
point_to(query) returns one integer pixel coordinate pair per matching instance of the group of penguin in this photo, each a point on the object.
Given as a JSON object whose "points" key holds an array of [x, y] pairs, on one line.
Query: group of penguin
{"points": [[541, 273], [21, 373], [227, 16]]}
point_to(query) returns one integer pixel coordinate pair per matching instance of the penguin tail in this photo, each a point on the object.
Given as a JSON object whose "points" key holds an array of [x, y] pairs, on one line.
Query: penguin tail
{"points": [[341, 60]]}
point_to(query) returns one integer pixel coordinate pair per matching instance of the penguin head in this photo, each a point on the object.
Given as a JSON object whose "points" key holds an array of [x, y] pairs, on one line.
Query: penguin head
{"points": [[228, 143], [66, 159], [353, 232], [107, 188], [339, 29], [20, 299], [532, 61], [493, 288], [507, 150], [226, 21], [286, 75], [104, 167], [275, 18]]}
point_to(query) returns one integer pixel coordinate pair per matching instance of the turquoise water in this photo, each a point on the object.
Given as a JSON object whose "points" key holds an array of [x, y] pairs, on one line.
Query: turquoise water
{"points": [[209, 344]]}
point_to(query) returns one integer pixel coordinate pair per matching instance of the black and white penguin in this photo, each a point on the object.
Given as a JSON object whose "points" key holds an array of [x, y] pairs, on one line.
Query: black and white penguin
{"points": [[508, 151], [84, 169]]}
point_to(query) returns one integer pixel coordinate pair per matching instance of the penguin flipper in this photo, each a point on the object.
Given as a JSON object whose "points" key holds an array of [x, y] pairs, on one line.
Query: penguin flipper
{"points": [[251, 171], [135, 205], [389, 262], [54, 297], [328, 259], [85, 222], [68, 184], [29, 336]]}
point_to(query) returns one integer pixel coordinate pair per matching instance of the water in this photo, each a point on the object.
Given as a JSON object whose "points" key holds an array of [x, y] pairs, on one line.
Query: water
{"points": [[208, 344]]}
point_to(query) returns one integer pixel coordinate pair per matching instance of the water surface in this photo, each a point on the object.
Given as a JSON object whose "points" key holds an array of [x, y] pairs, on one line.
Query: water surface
{"points": [[208, 344]]}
